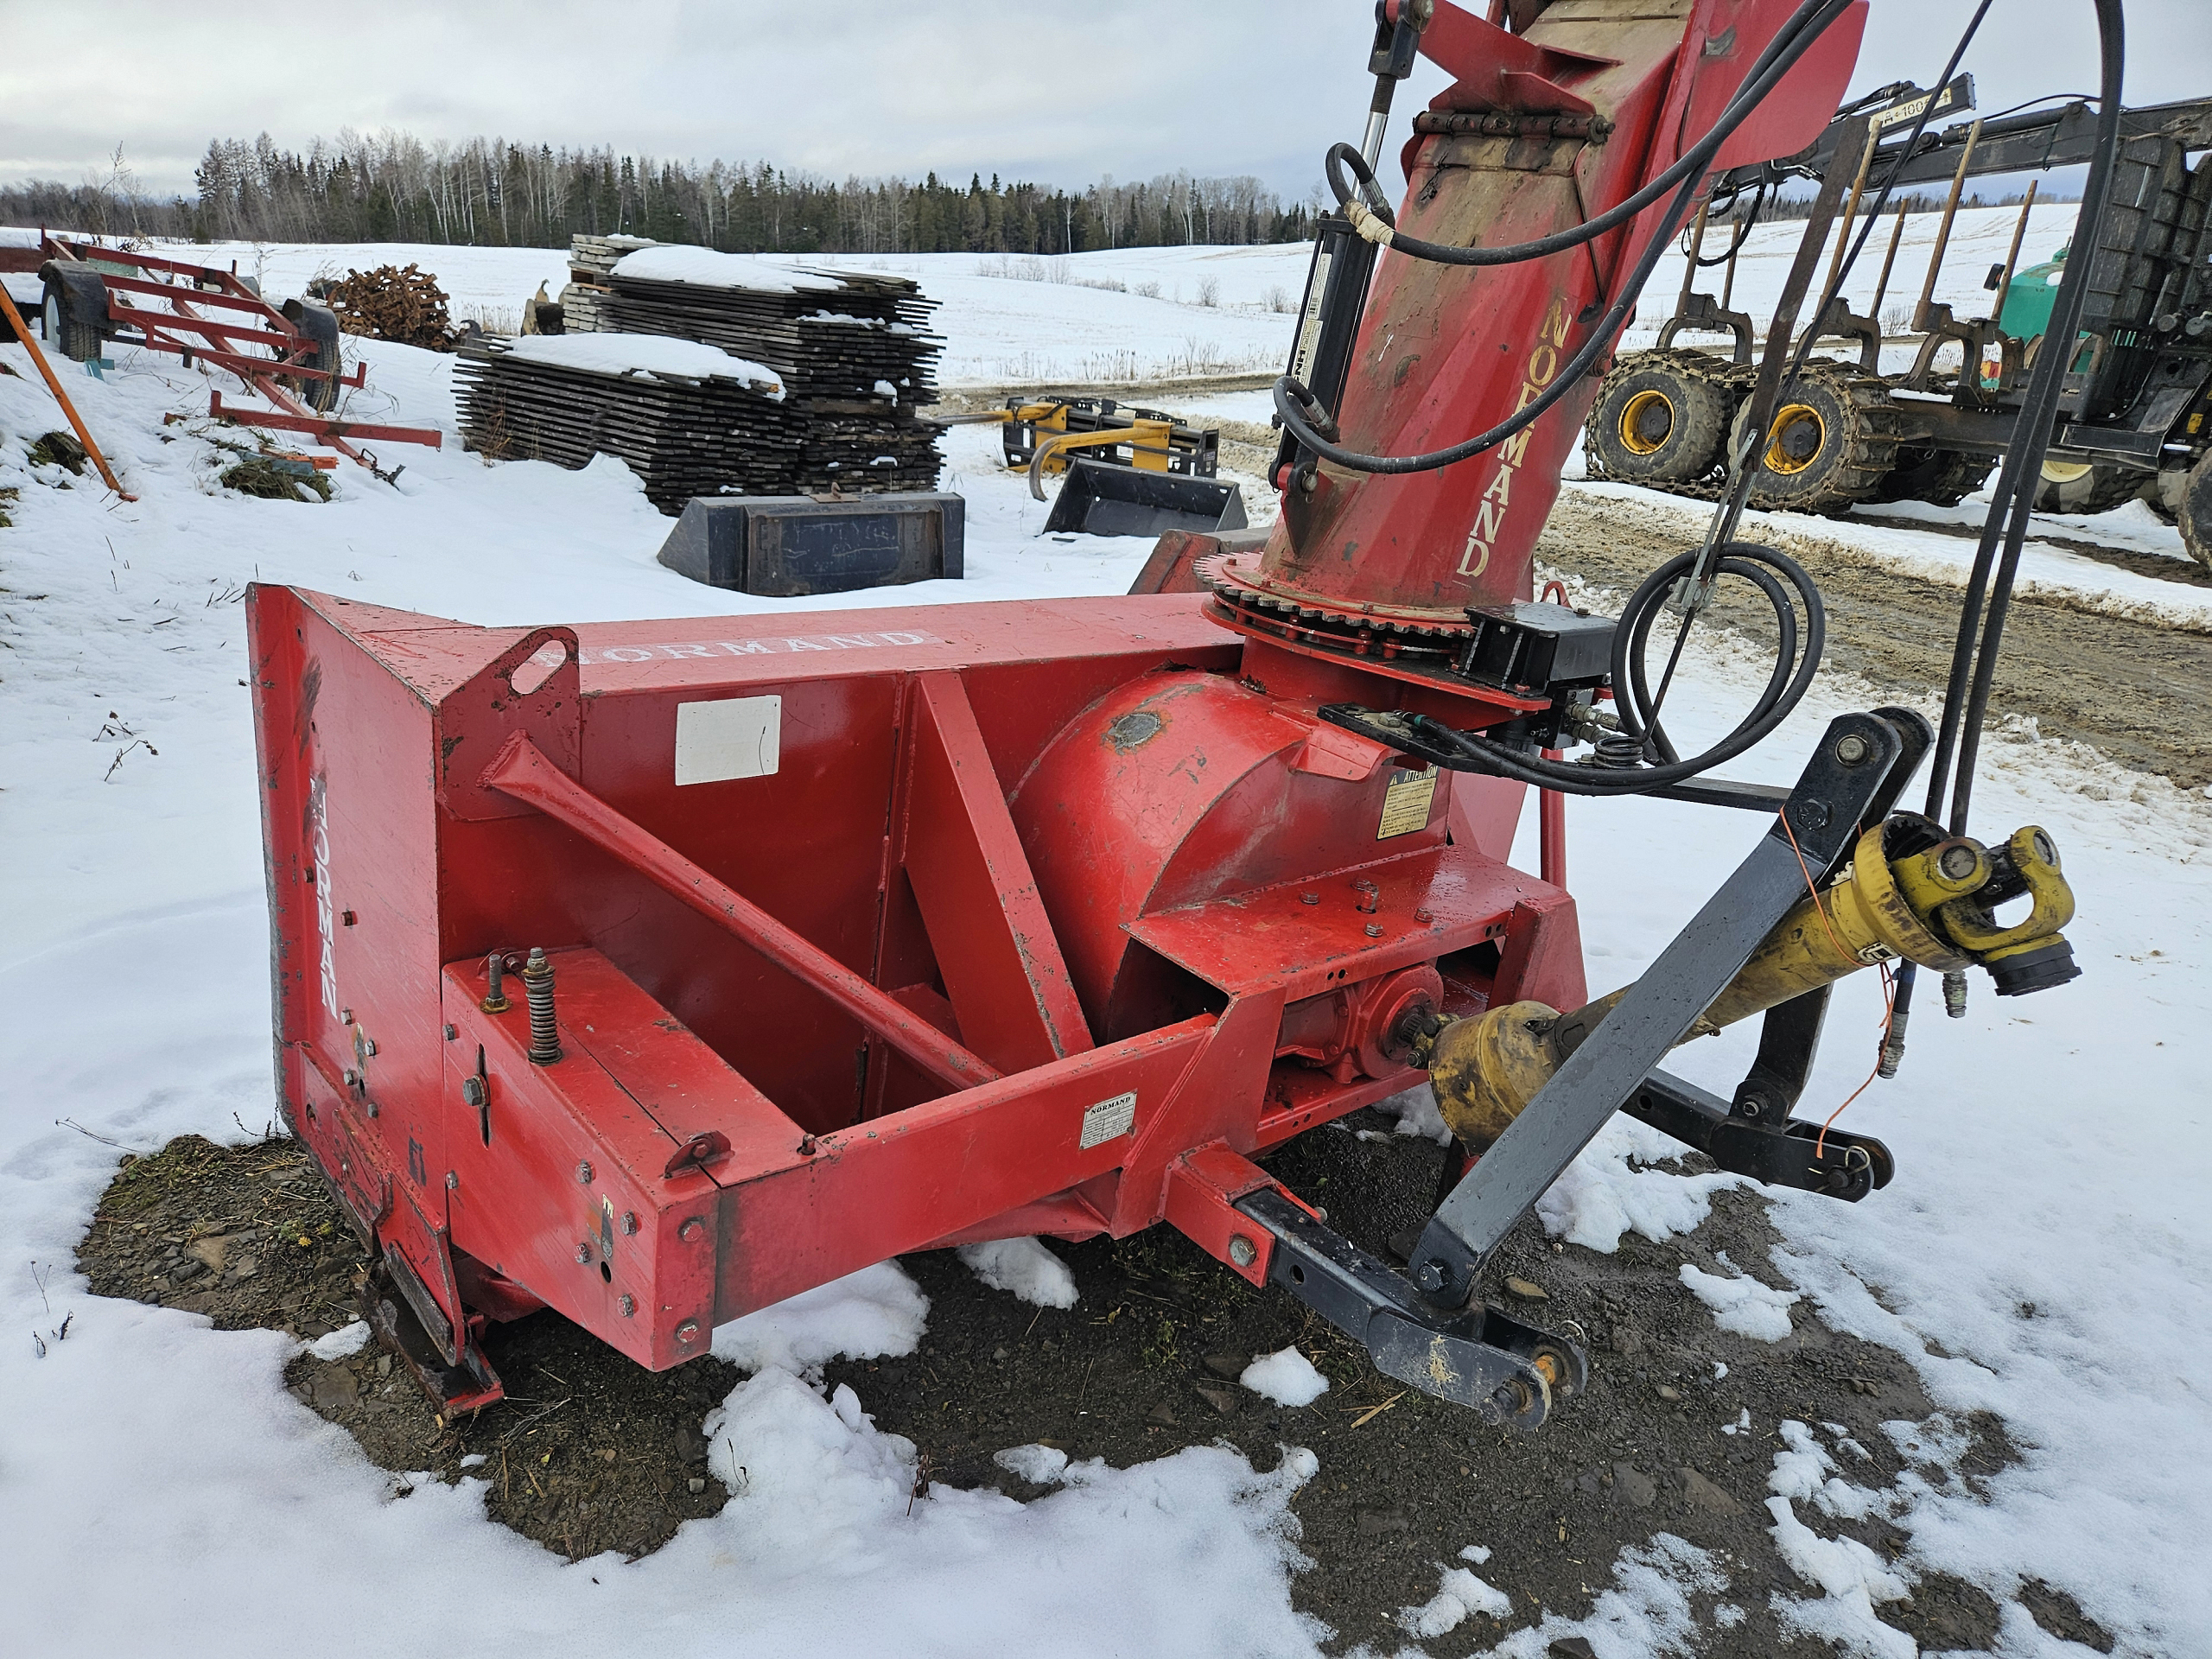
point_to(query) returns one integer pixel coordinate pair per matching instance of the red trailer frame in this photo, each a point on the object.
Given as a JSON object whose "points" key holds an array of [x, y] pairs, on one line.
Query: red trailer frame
{"points": [[164, 302]]}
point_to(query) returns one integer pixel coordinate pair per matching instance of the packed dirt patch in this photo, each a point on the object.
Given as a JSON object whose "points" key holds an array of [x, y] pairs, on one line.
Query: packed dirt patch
{"points": [[590, 1452]]}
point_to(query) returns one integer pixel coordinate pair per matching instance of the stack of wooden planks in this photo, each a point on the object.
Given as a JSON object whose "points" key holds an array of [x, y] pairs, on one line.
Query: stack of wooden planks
{"points": [[853, 348], [583, 301], [689, 419]]}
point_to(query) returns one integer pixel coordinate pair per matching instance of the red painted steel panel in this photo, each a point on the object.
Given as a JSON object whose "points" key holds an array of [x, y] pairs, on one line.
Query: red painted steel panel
{"points": [[1001, 965], [899, 1182], [574, 1148], [1203, 1186]]}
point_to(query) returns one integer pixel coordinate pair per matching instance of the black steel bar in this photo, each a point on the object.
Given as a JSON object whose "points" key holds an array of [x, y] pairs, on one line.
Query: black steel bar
{"points": [[1844, 777], [1484, 1358], [1845, 1166]]}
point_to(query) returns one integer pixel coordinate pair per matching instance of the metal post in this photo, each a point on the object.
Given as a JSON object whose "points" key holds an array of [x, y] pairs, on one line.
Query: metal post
{"points": [[2013, 259], [522, 771], [1850, 213], [1735, 246], [1943, 230], [1551, 831], [1697, 246], [1889, 263]]}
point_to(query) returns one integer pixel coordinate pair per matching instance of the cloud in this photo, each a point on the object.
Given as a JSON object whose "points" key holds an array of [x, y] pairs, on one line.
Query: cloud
{"points": [[1056, 94]]}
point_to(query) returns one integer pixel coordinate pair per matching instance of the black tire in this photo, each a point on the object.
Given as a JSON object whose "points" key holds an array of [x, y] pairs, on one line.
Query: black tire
{"points": [[2163, 493], [2193, 511], [2081, 488], [1660, 418], [1943, 478], [70, 330], [319, 323], [1833, 441]]}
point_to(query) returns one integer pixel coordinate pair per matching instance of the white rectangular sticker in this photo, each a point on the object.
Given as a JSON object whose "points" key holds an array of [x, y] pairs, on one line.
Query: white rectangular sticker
{"points": [[1109, 1120], [737, 737]]}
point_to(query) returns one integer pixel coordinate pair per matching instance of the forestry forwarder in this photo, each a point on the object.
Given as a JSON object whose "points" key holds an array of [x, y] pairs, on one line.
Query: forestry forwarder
{"points": [[2134, 418]]}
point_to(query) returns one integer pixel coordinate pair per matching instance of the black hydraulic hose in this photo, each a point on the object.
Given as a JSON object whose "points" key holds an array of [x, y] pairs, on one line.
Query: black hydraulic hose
{"points": [[1745, 464], [1741, 228], [1292, 399], [1639, 708], [2014, 499], [1786, 687], [1792, 41]]}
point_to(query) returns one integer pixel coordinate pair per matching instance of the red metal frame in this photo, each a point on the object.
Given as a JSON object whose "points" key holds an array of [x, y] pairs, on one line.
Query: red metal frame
{"points": [[183, 289], [900, 1034]]}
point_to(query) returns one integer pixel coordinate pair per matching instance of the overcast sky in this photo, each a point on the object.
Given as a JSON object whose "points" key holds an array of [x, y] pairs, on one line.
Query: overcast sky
{"points": [[1059, 93]]}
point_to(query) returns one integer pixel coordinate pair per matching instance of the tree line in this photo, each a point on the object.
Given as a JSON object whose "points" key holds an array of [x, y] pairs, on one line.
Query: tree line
{"points": [[393, 188]]}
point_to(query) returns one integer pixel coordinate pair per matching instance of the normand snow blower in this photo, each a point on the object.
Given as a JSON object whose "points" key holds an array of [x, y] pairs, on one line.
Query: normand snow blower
{"points": [[656, 971]]}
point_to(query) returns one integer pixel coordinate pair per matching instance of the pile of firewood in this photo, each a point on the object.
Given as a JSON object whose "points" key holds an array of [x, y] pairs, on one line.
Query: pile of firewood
{"points": [[389, 302]]}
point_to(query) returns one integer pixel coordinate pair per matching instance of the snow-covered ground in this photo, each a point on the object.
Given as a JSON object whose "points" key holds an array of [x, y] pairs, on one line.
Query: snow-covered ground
{"points": [[2043, 1253], [1136, 313]]}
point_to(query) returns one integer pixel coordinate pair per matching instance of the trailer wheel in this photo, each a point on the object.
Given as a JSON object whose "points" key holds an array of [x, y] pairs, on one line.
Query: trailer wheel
{"points": [[2193, 511], [70, 328], [2084, 487], [1943, 478], [1659, 418], [317, 322], [1831, 442]]}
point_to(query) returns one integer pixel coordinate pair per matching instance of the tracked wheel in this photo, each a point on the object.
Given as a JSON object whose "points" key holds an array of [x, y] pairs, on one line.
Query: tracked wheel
{"points": [[2084, 487], [1831, 442], [1660, 418], [1943, 478]]}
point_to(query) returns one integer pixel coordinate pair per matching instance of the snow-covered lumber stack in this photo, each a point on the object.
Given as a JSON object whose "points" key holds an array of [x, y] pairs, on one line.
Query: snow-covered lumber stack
{"points": [[853, 348], [583, 301], [689, 418]]}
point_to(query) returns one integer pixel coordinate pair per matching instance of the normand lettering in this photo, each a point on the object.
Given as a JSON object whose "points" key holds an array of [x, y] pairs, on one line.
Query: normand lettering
{"points": [[780, 644], [1496, 502]]}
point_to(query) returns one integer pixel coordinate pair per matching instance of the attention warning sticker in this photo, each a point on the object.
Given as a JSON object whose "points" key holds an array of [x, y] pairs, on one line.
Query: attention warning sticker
{"points": [[1406, 803]]}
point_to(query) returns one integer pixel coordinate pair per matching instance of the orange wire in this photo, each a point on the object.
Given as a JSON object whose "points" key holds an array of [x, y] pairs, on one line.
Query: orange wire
{"points": [[1889, 989]]}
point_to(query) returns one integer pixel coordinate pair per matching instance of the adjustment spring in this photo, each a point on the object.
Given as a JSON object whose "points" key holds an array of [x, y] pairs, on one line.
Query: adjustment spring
{"points": [[1618, 752], [538, 987]]}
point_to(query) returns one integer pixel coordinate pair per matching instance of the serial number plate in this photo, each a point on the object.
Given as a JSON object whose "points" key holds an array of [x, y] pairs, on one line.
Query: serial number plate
{"points": [[1109, 1120]]}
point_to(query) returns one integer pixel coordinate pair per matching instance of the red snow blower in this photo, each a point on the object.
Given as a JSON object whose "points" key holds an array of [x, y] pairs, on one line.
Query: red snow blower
{"points": [[654, 972]]}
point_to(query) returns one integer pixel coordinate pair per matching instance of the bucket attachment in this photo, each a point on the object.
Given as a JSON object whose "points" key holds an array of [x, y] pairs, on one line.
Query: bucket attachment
{"points": [[1099, 499]]}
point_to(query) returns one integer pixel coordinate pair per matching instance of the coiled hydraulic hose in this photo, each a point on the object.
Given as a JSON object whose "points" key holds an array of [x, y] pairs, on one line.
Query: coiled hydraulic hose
{"points": [[1775, 575]]}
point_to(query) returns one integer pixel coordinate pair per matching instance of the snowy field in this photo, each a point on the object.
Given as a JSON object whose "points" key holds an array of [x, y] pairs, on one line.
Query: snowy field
{"points": [[163, 1493], [1141, 314]]}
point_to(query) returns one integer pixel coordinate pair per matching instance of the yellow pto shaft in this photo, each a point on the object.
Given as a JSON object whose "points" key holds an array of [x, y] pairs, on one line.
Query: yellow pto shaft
{"points": [[1934, 906]]}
